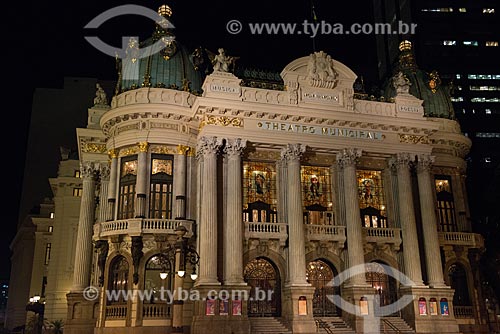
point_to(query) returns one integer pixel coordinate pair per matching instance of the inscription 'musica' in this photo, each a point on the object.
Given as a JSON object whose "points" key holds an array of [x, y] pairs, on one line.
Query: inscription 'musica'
{"points": [[409, 109], [320, 130], [223, 89], [320, 97]]}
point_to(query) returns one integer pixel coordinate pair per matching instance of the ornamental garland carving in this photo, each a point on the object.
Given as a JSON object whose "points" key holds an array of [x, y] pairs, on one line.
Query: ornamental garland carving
{"points": [[413, 139], [129, 151], [94, 148], [162, 149], [223, 120]]}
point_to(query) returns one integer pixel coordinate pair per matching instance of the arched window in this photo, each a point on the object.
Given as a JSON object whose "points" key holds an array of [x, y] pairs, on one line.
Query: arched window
{"points": [[161, 192], [128, 177], [154, 284], [317, 195], [118, 278], [445, 204], [371, 198], [458, 281], [259, 192]]}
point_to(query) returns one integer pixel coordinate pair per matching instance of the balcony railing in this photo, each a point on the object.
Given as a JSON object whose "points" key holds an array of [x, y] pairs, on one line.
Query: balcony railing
{"points": [[325, 233], [116, 312], [472, 240], [382, 235], [156, 311], [139, 226], [266, 231], [463, 312]]}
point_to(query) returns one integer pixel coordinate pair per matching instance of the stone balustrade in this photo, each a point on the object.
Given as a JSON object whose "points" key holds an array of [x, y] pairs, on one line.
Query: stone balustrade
{"points": [[140, 226], [156, 311], [266, 231], [382, 235], [463, 312], [325, 233], [472, 240], [116, 312]]}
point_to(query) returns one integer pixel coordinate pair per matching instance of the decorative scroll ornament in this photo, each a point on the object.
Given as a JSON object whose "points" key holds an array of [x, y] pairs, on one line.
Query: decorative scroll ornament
{"points": [[224, 121], [434, 81], [235, 146], [424, 162], [208, 145], [94, 148], [182, 149], [413, 139], [293, 152], [143, 146], [320, 71], [348, 157], [89, 169], [113, 153]]}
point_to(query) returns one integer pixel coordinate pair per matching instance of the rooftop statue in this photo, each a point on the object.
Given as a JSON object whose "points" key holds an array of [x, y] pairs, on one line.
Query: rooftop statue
{"points": [[100, 96], [221, 61], [401, 83]]}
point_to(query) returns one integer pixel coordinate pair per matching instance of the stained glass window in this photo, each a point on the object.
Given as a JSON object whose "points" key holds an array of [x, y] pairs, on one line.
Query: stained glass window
{"points": [[371, 198], [161, 166], [259, 183], [317, 195], [129, 168], [445, 204]]}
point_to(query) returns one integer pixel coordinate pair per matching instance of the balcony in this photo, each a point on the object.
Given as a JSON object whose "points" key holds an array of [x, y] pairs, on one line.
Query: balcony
{"points": [[471, 240], [140, 226], [325, 233], [380, 236], [266, 231], [463, 312]]}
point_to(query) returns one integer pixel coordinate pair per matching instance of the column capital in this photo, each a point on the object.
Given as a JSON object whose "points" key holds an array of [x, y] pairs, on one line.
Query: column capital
{"points": [[348, 157], [89, 169], [113, 153], [424, 163], [235, 146], [143, 146], [104, 171], [401, 160], [293, 152], [182, 149], [208, 145]]}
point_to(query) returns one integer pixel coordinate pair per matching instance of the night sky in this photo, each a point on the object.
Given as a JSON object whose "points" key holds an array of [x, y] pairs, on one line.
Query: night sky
{"points": [[45, 42]]}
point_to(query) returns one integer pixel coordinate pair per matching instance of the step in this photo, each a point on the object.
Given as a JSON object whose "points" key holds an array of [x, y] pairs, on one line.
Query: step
{"points": [[336, 325], [268, 325]]}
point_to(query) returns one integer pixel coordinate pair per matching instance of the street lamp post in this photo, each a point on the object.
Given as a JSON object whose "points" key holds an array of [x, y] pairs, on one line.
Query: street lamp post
{"points": [[38, 308], [185, 258]]}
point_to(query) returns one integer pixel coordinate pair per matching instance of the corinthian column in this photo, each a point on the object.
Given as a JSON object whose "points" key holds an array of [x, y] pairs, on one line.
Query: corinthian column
{"points": [[296, 243], [83, 254], [104, 173], [411, 255], [180, 182], [113, 155], [207, 149], [429, 222], [233, 236], [141, 186], [346, 161]]}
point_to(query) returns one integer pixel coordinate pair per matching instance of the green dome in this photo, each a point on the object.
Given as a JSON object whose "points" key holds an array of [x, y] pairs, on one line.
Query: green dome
{"points": [[172, 67], [425, 86]]}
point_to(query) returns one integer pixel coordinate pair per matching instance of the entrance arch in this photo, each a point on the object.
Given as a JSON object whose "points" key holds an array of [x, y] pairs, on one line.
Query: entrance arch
{"points": [[320, 275], [384, 284], [265, 288]]}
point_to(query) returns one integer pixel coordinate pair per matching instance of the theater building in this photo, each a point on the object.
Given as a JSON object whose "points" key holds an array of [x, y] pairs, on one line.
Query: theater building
{"points": [[210, 181]]}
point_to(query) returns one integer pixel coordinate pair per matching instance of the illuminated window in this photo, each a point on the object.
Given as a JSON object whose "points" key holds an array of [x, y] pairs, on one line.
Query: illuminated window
{"points": [[259, 192], [161, 192], [457, 99], [470, 43], [484, 76], [126, 197], [48, 248], [449, 43], [50, 229], [484, 87], [371, 198], [118, 279], [487, 111], [488, 10], [77, 192], [462, 10], [445, 204], [458, 76], [488, 135], [441, 10], [317, 195], [491, 43], [484, 99], [78, 174], [52, 215]]}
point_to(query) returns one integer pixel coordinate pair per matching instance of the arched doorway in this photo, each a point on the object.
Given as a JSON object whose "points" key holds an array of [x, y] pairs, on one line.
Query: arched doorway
{"points": [[458, 281], [320, 275], [385, 285], [265, 288]]}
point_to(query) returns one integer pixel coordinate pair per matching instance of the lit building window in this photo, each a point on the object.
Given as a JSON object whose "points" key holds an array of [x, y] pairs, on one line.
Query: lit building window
{"points": [[161, 192], [78, 174], [50, 229], [484, 87], [487, 159], [459, 87], [457, 99], [488, 135], [491, 43], [52, 215], [77, 192], [317, 195], [488, 10], [484, 76], [458, 76], [484, 99], [371, 198], [47, 253], [449, 43], [440, 10], [259, 192], [445, 204], [470, 43], [487, 111], [462, 10], [126, 197], [118, 279]]}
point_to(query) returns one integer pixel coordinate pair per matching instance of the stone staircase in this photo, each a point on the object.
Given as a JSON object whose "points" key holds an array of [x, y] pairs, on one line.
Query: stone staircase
{"points": [[394, 325], [332, 325], [268, 325]]}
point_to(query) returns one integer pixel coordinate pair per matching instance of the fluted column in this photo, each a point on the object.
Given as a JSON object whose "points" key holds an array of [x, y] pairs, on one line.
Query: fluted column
{"points": [[104, 173], [429, 222], [113, 155], [411, 255], [180, 182], [141, 186], [208, 148], [346, 161], [233, 236], [83, 254], [296, 243]]}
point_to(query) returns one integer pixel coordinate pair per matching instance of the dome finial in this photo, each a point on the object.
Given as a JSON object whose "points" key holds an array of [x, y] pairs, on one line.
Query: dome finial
{"points": [[405, 45], [165, 11]]}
